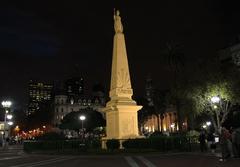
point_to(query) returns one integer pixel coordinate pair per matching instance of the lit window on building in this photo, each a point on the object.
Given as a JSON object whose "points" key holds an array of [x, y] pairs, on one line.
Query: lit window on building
{"points": [[69, 89]]}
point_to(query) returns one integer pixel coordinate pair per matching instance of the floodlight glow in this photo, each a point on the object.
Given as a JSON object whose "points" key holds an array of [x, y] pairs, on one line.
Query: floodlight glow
{"points": [[82, 117], [204, 126], [10, 123], [215, 99], [6, 104], [208, 123], [9, 116]]}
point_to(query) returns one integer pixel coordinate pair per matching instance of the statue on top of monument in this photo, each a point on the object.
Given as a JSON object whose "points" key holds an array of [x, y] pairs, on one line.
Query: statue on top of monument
{"points": [[117, 22]]}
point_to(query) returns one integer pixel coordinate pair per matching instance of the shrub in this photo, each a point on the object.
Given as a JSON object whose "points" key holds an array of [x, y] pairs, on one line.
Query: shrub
{"points": [[51, 136], [160, 143], [192, 133], [95, 143], [113, 144], [157, 134]]}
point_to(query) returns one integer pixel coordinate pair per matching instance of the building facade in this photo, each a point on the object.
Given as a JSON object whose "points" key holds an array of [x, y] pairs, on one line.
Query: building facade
{"points": [[39, 92], [62, 106], [169, 122], [7, 131], [71, 98], [230, 57], [169, 116]]}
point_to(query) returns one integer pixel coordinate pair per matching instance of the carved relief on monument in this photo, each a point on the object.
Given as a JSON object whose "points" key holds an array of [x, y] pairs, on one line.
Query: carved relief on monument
{"points": [[123, 79], [113, 83], [127, 126], [121, 83], [124, 91]]}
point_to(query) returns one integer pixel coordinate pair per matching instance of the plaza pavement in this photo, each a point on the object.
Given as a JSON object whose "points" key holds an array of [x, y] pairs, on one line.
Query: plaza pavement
{"points": [[17, 158]]}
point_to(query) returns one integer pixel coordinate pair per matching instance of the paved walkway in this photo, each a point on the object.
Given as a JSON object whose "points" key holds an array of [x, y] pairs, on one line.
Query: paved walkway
{"points": [[163, 160]]}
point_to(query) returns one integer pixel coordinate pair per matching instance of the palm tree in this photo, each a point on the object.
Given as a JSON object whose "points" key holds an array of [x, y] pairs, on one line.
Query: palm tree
{"points": [[176, 62], [159, 106]]}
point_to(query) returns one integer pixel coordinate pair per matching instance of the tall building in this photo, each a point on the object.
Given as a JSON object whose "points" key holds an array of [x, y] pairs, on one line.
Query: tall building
{"points": [[98, 93], [39, 92], [149, 91], [74, 87], [230, 57]]}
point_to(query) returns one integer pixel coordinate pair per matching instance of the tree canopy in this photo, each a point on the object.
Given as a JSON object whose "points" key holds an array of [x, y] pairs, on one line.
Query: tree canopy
{"points": [[93, 119]]}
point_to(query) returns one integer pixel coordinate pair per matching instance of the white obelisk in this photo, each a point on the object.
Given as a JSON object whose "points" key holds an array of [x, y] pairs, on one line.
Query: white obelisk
{"points": [[121, 110]]}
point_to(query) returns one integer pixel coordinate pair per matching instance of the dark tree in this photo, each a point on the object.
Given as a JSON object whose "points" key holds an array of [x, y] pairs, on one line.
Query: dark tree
{"points": [[93, 119], [144, 112], [43, 116], [19, 118], [175, 59], [159, 105]]}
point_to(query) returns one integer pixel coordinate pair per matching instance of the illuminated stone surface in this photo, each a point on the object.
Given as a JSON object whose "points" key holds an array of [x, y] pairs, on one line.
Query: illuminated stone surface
{"points": [[121, 110]]}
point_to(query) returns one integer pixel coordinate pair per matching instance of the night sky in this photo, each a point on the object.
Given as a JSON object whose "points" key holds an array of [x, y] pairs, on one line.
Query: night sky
{"points": [[55, 40]]}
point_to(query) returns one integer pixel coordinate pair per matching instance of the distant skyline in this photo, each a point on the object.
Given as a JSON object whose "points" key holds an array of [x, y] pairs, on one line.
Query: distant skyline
{"points": [[50, 40]]}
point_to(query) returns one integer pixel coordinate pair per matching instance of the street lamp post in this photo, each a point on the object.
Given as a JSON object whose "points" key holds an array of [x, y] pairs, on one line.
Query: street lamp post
{"points": [[6, 105], [82, 118], [215, 100]]}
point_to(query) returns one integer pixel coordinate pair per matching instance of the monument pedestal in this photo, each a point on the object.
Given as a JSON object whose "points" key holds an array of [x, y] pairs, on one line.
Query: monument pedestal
{"points": [[122, 121]]}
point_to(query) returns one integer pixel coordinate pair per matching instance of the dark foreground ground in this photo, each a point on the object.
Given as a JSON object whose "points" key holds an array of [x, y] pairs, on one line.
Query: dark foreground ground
{"points": [[17, 158]]}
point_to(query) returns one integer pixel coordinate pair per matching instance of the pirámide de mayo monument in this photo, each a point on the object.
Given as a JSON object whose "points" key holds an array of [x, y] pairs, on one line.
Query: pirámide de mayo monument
{"points": [[121, 110]]}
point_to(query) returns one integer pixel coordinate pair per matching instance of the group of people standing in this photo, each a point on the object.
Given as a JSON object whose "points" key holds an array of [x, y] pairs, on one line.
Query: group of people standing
{"points": [[229, 141], [207, 141]]}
